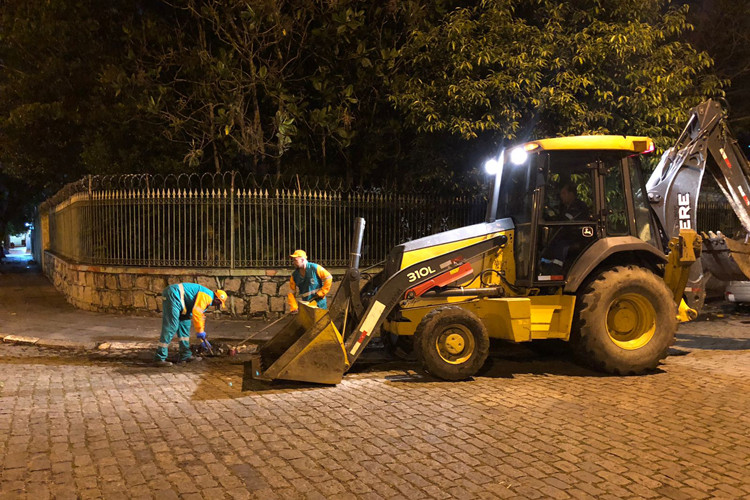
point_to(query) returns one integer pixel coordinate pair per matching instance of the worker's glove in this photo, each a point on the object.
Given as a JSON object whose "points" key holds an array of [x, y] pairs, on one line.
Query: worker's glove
{"points": [[204, 341]]}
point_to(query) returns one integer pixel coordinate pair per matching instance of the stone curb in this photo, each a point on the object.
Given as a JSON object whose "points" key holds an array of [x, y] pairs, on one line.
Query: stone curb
{"points": [[66, 344], [99, 346], [18, 339], [124, 346]]}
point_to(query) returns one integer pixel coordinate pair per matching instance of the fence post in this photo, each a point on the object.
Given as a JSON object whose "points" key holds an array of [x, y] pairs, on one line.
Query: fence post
{"points": [[88, 233], [231, 224], [44, 235]]}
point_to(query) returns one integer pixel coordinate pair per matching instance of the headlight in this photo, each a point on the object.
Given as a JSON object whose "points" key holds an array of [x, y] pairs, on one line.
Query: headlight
{"points": [[518, 156], [492, 166]]}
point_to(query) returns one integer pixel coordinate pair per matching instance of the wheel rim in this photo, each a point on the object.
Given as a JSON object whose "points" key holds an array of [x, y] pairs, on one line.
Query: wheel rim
{"points": [[631, 321], [455, 344]]}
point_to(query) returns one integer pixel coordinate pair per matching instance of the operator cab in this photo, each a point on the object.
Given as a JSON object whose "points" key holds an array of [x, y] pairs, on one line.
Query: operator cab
{"points": [[564, 195]]}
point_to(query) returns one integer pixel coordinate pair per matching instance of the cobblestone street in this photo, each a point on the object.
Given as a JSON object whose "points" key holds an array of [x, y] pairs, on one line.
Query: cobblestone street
{"points": [[374, 250], [87, 425]]}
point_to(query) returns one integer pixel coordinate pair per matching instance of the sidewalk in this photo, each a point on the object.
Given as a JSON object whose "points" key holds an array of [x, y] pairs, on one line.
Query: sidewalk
{"points": [[33, 309]]}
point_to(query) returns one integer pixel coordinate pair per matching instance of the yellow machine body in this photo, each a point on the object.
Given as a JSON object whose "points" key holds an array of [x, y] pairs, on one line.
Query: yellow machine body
{"points": [[424, 254], [518, 319]]}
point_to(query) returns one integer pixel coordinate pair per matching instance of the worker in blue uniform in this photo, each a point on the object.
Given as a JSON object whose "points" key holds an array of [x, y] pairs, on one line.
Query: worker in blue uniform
{"points": [[313, 281], [185, 304]]}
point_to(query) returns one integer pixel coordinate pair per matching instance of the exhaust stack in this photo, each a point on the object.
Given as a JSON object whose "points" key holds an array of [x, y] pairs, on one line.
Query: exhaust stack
{"points": [[356, 252]]}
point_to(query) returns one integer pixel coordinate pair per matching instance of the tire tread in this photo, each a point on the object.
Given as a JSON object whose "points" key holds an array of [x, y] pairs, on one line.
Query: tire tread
{"points": [[589, 343]]}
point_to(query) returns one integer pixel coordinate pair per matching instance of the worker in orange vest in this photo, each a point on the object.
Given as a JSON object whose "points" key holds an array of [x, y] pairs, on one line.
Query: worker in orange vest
{"points": [[185, 304], [312, 280]]}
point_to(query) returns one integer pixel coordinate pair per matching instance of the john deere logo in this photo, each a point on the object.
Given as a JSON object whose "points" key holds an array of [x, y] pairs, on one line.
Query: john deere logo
{"points": [[587, 231]]}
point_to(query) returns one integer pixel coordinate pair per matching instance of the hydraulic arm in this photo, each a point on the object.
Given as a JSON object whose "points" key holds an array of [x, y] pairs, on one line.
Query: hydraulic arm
{"points": [[706, 144]]}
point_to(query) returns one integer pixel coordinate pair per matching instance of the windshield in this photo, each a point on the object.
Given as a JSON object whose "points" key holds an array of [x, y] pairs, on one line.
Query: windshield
{"points": [[514, 199]]}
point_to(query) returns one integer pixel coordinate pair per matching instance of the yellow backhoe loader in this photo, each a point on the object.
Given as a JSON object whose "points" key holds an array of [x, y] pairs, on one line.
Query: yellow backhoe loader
{"points": [[574, 248]]}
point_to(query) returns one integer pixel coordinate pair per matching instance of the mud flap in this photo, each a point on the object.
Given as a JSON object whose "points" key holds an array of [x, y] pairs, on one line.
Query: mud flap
{"points": [[308, 348]]}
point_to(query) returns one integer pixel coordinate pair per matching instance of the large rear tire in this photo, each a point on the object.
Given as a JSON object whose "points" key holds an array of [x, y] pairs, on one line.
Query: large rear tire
{"points": [[451, 343], [625, 321]]}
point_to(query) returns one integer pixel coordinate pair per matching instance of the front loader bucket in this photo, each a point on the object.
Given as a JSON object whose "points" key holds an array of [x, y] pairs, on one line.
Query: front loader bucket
{"points": [[309, 348]]}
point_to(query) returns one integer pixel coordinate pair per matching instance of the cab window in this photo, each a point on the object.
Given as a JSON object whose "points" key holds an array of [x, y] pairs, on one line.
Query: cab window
{"points": [[569, 191], [643, 225], [614, 196]]}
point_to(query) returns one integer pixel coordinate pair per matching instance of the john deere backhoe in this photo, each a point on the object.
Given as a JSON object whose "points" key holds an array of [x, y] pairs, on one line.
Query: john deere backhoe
{"points": [[608, 277]]}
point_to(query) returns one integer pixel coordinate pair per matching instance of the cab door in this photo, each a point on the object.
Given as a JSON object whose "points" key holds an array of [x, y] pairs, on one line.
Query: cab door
{"points": [[615, 219], [570, 213]]}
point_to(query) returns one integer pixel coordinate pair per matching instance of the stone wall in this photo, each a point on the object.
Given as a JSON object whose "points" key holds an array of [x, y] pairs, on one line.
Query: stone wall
{"points": [[253, 293]]}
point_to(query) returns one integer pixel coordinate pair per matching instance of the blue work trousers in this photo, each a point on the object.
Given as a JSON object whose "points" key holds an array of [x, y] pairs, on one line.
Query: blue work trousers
{"points": [[173, 321]]}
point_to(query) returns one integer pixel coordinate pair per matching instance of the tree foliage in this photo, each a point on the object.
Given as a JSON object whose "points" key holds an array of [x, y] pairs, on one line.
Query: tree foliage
{"points": [[409, 90], [57, 120], [268, 84], [722, 29], [514, 70]]}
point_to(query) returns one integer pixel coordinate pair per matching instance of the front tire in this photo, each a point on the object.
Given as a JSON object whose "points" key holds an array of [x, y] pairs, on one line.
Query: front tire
{"points": [[626, 319], [451, 343]]}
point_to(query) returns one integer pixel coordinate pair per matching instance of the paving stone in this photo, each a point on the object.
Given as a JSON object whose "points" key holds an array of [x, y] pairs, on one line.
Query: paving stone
{"points": [[548, 430]]}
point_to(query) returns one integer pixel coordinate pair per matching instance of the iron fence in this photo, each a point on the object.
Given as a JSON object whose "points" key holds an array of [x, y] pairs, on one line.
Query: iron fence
{"points": [[226, 221], [719, 216]]}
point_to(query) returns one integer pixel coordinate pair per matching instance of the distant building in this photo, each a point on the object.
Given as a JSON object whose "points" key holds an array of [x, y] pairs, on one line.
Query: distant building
{"points": [[20, 240]]}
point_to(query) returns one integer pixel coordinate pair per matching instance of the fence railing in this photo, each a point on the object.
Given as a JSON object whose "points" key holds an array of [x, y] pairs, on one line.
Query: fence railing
{"points": [[227, 222], [718, 216]]}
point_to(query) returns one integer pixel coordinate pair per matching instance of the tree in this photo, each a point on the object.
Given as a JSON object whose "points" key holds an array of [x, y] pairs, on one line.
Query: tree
{"points": [[507, 70], [210, 71], [722, 29], [40, 112], [238, 82], [57, 121], [405, 90]]}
